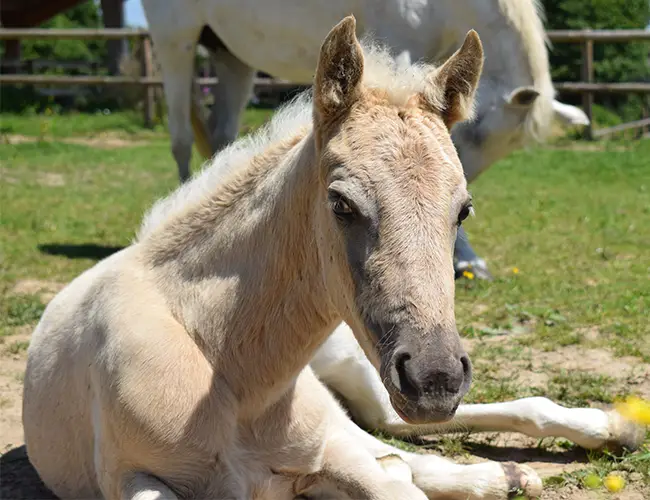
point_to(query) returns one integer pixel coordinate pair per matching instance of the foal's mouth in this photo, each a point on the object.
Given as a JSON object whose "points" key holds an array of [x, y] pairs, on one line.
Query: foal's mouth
{"points": [[415, 415]]}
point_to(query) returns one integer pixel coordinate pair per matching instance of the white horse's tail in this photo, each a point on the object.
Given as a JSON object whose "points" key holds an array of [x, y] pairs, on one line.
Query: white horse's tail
{"points": [[200, 132]]}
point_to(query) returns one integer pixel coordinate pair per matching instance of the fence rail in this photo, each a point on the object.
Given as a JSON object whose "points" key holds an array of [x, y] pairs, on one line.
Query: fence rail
{"points": [[587, 88], [72, 34], [580, 36]]}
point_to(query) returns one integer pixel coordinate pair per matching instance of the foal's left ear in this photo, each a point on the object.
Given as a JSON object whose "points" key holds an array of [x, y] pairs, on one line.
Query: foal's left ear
{"points": [[337, 83], [453, 86]]}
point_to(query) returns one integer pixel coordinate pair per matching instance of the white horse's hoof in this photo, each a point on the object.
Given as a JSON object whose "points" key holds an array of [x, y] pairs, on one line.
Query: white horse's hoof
{"points": [[522, 480], [478, 268], [623, 434]]}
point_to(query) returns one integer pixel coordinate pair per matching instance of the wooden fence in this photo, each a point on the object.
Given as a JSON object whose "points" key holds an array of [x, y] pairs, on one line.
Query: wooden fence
{"points": [[588, 88], [586, 38]]}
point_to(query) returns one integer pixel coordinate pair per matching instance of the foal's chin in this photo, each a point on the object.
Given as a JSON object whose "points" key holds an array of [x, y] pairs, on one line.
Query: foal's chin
{"points": [[440, 411]]}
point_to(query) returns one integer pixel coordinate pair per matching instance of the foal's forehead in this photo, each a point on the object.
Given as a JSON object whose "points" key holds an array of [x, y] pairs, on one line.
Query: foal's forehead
{"points": [[406, 139]]}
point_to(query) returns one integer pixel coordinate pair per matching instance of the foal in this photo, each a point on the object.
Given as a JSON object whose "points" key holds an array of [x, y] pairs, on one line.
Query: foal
{"points": [[178, 366]]}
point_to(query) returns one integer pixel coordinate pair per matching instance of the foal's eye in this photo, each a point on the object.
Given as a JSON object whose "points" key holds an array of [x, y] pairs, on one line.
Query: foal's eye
{"points": [[464, 213], [342, 208]]}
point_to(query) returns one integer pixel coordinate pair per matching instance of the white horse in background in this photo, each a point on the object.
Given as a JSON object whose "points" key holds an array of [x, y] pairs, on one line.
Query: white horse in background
{"points": [[515, 102]]}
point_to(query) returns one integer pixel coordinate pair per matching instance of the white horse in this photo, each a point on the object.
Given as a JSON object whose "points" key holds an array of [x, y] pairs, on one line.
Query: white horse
{"points": [[281, 37], [178, 367]]}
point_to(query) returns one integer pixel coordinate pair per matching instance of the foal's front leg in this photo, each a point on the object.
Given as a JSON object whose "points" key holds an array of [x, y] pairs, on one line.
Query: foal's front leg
{"points": [[349, 470], [440, 478]]}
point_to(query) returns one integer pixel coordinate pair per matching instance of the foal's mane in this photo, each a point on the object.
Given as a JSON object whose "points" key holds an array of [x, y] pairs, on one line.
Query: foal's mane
{"points": [[381, 71], [527, 18]]}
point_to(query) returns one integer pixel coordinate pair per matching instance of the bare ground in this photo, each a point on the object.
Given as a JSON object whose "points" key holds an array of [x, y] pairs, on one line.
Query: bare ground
{"points": [[535, 369], [102, 141]]}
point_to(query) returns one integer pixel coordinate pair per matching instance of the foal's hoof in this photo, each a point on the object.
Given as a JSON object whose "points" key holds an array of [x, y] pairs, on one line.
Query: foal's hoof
{"points": [[477, 269], [623, 434], [522, 480]]}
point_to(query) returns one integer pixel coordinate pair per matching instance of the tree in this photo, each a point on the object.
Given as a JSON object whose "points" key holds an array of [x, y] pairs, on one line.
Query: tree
{"points": [[83, 15], [613, 62], [86, 14]]}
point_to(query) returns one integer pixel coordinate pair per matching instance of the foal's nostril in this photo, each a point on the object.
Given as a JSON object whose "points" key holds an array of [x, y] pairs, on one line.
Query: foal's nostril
{"points": [[467, 366], [407, 385]]}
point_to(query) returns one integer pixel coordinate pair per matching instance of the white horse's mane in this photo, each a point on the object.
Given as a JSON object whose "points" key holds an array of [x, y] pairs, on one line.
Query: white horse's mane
{"points": [[527, 17], [380, 71]]}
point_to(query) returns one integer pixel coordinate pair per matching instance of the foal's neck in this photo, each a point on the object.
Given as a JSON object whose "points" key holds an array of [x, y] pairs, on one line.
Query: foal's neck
{"points": [[242, 273]]}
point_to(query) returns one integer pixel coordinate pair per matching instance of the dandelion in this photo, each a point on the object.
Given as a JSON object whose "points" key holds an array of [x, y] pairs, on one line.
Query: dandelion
{"points": [[468, 274], [635, 409], [515, 270], [614, 483]]}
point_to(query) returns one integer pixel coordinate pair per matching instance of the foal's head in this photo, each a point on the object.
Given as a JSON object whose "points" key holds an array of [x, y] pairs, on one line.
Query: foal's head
{"points": [[396, 195]]}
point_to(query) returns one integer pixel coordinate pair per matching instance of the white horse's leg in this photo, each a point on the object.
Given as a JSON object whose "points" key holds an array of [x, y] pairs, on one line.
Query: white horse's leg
{"points": [[341, 364], [540, 417], [176, 58], [145, 487], [230, 97], [465, 258]]}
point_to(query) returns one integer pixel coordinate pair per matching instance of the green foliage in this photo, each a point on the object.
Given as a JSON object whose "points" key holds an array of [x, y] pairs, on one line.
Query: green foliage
{"points": [[20, 98], [613, 62], [84, 15]]}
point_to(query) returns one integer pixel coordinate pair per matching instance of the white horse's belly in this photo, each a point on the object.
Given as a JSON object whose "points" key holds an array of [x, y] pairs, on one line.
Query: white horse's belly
{"points": [[280, 38]]}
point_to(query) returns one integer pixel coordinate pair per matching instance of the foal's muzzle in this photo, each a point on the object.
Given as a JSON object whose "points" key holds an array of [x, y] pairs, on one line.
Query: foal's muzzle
{"points": [[427, 383]]}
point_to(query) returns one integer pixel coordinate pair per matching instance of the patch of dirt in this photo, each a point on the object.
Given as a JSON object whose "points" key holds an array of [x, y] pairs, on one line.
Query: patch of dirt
{"points": [[588, 146], [548, 460], [50, 179], [12, 368], [572, 492], [101, 141], [46, 289], [628, 371]]}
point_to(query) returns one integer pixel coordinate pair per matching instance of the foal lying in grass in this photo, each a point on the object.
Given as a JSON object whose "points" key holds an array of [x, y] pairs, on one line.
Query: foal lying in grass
{"points": [[177, 367]]}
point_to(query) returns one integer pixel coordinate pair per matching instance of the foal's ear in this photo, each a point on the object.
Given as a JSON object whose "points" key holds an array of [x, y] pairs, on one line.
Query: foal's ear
{"points": [[454, 84], [337, 83]]}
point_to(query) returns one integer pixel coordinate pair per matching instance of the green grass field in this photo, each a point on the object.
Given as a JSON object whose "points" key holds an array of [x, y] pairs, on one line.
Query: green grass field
{"points": [[565, 230]]}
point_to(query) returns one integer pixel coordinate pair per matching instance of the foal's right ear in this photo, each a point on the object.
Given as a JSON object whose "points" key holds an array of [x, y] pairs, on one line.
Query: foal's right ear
{"points": [[337, 83], [454, 84]]}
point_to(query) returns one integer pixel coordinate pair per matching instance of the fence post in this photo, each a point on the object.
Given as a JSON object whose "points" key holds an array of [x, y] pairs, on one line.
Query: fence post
{"points": [[147, 71], [588, 76], [645, 113]]}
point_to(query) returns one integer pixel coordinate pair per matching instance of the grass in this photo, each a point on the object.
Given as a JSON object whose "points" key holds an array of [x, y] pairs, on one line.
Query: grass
{"points": [[565, 231], [576, 224], [18, 310], [17, 347]]}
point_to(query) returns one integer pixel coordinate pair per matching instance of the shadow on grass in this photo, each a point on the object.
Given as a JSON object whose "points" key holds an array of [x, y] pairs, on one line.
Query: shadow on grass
{"points": [[523, 455], [519, 454], [83, 251]]}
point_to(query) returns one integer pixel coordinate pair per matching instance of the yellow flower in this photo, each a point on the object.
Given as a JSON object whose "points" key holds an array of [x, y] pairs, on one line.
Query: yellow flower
{"points": [[515, 270], [468, 274], [614, 483], [635, 409], [48, 111]]}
